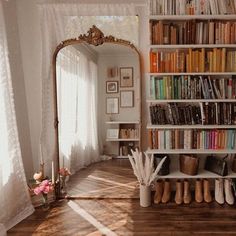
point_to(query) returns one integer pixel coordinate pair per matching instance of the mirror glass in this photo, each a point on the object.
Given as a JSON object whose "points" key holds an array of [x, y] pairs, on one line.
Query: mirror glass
{"points": [[98, 100]]}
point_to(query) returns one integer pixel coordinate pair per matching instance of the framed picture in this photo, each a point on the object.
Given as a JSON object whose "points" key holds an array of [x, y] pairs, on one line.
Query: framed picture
{"points": [[111, 86], [126, 98], [112, 133], [112, 106], [126, 77]]}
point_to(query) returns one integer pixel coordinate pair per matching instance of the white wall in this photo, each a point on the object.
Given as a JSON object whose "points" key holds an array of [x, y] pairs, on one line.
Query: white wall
{"points": [[29, 56], [125, 114]]}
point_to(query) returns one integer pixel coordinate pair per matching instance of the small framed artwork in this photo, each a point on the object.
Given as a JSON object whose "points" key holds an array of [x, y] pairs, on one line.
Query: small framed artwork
{"points": [[111, 86], [113, 133], [127, 98], [112, 106], [126, 76]]}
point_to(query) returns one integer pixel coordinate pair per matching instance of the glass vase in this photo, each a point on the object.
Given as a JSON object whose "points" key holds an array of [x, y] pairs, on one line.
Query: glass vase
{"points": [[45, 202]]}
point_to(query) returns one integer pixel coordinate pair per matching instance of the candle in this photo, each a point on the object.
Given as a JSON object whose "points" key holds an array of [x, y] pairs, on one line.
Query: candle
{"points": [[40, 154], [53, 177]]}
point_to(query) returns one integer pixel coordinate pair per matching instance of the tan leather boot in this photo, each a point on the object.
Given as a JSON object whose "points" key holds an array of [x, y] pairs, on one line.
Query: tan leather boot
{"points": [[229, 197], [198, 191], [206, 191], [219, 191], [159, 192], [187, 193], [167, 192], [179, 192]]}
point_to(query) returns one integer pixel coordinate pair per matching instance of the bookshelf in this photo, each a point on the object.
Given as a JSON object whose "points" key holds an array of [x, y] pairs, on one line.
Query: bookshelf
{"points": [[202, 59], [127, 136]]}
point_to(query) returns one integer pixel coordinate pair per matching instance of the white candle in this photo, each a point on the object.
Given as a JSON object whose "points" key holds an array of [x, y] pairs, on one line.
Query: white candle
{"points": [[53, 177], [40, 154]]}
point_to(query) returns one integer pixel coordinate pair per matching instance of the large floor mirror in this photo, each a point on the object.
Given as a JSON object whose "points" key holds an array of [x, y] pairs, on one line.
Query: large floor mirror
{"points": [[97, 82]]}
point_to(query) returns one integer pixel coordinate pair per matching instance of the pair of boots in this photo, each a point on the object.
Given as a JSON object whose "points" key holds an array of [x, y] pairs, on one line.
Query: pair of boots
{"points": [[182, 193], [221, 187], [163, 191], [202, 191]]}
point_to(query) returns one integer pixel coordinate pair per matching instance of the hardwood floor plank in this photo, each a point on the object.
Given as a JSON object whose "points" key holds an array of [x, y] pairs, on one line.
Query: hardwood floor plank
{"points": [[118, 209]]}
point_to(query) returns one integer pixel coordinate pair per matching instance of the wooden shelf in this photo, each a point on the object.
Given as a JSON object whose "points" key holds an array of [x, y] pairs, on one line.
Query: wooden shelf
{"points": [[193, 151], [150, 126], [192, 17], [186, 46], [188, 100], [122, 122], [122, 139], [176, 174], [192, 73]]}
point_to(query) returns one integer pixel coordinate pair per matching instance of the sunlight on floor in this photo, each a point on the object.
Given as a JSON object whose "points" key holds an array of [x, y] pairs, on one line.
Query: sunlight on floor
{"points": [[101, 228]]}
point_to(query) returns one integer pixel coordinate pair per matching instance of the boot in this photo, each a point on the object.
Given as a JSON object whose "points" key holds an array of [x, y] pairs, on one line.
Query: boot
{"points": [[179, 192], [229, 198], [187, 193], [159, 192], [219, 193], [198, 191], [166, 193], [206, 191]]}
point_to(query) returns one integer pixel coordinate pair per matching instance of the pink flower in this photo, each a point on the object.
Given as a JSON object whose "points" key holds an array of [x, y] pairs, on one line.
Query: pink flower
{"points": [[64, 171], [44, 187]]}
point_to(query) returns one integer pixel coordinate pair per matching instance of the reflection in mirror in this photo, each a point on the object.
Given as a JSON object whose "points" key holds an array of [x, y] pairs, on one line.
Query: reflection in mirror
{"points": [[98, 100]]}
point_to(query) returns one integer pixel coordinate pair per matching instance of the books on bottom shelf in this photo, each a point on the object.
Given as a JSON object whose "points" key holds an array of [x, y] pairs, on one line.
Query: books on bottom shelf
{"points": [[192, 139]]}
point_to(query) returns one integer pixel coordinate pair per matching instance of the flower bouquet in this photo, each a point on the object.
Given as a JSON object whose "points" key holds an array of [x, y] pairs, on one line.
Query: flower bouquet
{"points": [[44, 188], [64, 172]]}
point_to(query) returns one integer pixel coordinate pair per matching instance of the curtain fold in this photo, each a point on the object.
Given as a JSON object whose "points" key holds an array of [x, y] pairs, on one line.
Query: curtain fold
{"points": [[55, 20], [76, 86], [12, 176]]}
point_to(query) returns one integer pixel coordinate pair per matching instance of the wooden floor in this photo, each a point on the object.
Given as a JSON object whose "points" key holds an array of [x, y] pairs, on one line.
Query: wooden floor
{"points": [[115, 210]]}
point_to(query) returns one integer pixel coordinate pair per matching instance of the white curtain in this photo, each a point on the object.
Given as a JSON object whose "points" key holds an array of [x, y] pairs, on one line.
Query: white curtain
{"points": [[76, 86], [15, 202], [54, 29]]}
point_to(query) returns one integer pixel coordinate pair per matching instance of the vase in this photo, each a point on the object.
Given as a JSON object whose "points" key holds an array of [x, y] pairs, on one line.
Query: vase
{"points": [[45, 205], [63, 185], [145, 195]]}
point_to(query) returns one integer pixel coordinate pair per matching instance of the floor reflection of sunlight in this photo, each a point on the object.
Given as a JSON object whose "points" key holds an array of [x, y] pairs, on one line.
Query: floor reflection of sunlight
{"points": [[112, 182], [101, 228]]}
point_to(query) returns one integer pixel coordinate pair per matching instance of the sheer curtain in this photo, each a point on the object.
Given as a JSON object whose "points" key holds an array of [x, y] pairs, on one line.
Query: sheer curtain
{"points": [[76, 86], [55, 27], [15, 202]]}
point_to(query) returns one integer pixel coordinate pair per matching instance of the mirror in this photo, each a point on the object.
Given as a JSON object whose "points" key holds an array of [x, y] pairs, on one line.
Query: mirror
{"points": [[97, 88]]}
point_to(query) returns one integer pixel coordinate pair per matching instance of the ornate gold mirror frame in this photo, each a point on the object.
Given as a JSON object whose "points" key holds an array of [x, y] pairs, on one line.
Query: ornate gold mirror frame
{"points": [[94, 37]]}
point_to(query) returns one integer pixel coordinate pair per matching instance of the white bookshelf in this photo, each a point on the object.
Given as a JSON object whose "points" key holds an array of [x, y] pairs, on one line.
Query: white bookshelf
{"points": [[149, 126], [122, 139], [186, 46], [174, 171], [122, 122], [118, 141], [188, 100], [192, 17], [193, 73], [176, 174], [191, 151]]}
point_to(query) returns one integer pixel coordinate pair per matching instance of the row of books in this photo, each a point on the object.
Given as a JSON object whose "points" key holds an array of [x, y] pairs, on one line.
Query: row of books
{"points": [[192, 87], [193, 32], [191, 139], [128, 133], [175, 114], [192, 7], [185, 114], [198, 60]]}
